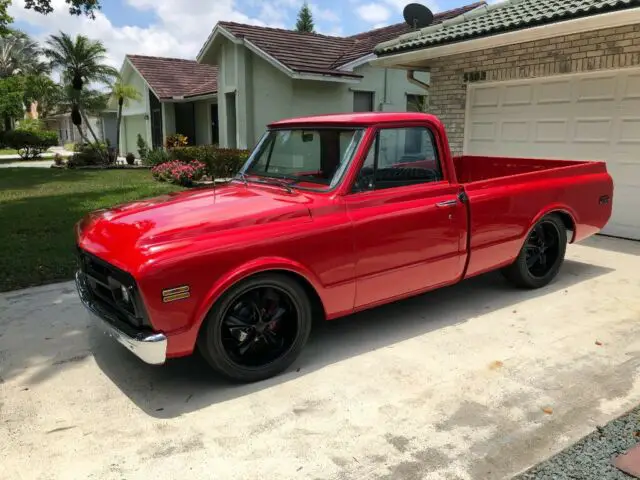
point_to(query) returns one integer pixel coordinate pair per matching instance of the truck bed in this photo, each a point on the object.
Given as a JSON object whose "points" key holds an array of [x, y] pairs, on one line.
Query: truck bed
{"points": [[471, 169]]}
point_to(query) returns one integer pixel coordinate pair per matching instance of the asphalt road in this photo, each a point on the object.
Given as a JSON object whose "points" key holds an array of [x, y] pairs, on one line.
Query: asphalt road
{"points": [[478, 381]]}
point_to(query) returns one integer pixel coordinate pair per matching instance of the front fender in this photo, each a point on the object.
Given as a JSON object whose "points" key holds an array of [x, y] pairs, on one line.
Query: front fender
{"points": [[248, 269]]}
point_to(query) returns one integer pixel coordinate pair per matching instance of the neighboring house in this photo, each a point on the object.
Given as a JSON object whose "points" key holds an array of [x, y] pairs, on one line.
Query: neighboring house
{"points": [[267, 74], [176, 95], [103, 125], [539, 78], [248, 76]]}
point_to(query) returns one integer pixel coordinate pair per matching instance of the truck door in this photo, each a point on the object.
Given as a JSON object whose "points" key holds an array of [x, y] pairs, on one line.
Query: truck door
{"points": [[407, 219]]}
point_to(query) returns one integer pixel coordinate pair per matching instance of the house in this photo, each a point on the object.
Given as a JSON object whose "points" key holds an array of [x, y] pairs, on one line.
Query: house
{"points": [[538, 78], [247, 76], [176, 96], [103, 125], [267, 74]]}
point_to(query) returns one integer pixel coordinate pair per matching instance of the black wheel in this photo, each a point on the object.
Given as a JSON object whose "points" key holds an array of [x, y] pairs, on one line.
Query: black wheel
{"points": [[541, 256], [257, 328]]}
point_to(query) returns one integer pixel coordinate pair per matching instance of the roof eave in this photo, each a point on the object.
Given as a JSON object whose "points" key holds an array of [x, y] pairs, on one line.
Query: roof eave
{"points": [[413, 57], [217, 30]]}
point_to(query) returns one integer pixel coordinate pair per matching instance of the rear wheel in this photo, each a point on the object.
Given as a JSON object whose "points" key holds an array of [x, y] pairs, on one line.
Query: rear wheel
{"points": [[257, 328], [541, 256]]}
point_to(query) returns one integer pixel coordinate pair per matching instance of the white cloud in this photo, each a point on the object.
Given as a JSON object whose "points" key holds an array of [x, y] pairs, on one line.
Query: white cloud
{"points": [[325, 14], [178, 32], [398, 5], [373, 12]]}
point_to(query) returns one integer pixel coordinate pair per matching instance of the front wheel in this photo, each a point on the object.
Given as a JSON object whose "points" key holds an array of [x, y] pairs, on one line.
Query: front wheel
{"points": [[541, 256], [257, 328]]}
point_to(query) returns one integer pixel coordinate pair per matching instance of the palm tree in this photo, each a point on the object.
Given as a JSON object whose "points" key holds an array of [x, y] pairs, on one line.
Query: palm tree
{"points": [[80, 60], [90, 102], [20, 55], [123, 93]]}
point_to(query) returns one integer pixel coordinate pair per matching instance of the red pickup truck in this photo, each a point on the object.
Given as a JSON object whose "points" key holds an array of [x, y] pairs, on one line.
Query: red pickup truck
{"points": [[330, 215]]}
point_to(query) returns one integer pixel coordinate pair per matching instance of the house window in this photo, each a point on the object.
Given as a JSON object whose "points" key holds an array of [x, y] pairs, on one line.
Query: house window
{"points": [[363, 102], [416, 103]]}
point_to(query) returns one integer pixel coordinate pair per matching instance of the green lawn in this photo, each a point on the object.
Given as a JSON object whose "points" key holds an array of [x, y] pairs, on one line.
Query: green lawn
{"points": [[8, 151], [39, 207]]}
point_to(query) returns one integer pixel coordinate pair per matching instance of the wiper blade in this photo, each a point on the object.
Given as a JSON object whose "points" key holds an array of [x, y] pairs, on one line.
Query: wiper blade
{"points": [[274, 181], [243, 176]]}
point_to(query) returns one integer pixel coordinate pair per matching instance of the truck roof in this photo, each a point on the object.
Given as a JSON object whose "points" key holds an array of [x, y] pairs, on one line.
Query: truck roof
{"points": [[364, 118]]}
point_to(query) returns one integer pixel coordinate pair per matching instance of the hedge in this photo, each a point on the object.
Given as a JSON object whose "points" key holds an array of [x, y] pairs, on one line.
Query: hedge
{"points": [[219, 162], [29, 143]]}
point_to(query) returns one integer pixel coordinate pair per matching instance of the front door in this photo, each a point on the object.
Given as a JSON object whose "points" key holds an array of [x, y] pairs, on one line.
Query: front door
{"points": [[407, 220]]}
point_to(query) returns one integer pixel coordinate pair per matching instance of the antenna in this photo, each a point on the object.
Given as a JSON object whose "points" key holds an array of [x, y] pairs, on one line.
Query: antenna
{"points": [[417, 15]]}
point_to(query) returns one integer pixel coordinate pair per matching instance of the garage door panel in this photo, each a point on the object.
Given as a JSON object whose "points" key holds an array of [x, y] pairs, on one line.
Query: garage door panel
{"points": [[550, 131], [514, 131], [589, 116], [592, 130], [553, 92], [631, 87], [596, 88]]}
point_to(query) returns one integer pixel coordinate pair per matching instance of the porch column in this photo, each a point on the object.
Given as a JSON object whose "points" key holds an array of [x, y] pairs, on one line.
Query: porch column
{"points": [[168, 120]]}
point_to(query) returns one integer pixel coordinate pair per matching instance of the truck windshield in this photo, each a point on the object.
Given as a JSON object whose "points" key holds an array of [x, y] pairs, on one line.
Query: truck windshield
{"points": [[314, 158]]}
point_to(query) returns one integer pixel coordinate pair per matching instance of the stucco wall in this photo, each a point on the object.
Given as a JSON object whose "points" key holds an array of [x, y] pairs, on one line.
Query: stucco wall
{"points": [[168, 119], [134, 124], [264, 94], [597, 50], [203, 122], [136, 107]]}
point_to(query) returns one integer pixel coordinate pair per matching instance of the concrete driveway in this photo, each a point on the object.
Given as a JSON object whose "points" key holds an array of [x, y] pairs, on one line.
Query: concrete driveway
{"points": [[448, 385]]}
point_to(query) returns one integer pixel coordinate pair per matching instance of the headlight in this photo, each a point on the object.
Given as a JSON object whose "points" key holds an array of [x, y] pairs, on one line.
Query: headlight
{"points": [[125, 293]]}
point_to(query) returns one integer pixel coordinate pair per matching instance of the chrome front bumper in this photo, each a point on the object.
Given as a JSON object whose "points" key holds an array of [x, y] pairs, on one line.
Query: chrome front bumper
{"points": [[149, 347]]}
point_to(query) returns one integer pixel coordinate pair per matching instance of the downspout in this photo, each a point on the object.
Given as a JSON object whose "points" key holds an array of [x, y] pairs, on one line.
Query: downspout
{"points": [[412, 79]]}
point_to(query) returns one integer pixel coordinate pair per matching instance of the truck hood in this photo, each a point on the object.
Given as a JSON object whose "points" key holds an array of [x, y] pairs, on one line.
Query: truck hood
{"points": [[123, 234]]}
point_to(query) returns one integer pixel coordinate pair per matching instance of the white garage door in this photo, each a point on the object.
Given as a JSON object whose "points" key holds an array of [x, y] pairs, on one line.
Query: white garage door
{"points": [[590, 116]]}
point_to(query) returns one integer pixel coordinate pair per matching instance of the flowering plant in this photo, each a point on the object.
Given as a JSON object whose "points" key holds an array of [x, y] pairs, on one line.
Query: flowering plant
{"points": [[178, 172], [176, 140]]}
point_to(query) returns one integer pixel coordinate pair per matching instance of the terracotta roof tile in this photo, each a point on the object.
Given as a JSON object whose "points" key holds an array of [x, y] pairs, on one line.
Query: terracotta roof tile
{"points": [[175, 77], [324, 54]]}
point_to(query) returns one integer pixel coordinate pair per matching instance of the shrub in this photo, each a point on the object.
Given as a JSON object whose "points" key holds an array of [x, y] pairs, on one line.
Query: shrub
{"points": [[143, 148], [220, 162], [57, 159], [228, 162], [31, 124], [180, 173], [131, 158], [89, 154], [156, 157], [30, 143], [176, 140]]}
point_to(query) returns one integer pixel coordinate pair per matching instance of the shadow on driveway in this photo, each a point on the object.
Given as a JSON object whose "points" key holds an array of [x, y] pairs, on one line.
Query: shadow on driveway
{"points": [[185, 385]]}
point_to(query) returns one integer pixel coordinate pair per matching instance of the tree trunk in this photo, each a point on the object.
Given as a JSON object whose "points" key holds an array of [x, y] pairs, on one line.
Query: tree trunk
{"points": [[86, 121], [118, 123], [82, 135]]}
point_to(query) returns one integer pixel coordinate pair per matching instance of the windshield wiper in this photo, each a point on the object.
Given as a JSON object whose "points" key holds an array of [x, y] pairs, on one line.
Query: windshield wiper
{"points": [[243, 176], [274, 181]]}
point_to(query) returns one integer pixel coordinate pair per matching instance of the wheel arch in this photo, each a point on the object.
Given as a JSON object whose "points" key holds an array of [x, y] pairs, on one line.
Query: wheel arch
{"points": [[565, 213], [294, 270]]}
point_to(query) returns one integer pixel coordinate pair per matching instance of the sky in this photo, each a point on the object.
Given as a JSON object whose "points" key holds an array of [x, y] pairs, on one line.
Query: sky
{"points": [[178, 28]]}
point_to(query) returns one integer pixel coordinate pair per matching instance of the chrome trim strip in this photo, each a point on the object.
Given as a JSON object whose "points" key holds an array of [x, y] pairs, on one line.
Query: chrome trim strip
{"points": [[151, 348]]}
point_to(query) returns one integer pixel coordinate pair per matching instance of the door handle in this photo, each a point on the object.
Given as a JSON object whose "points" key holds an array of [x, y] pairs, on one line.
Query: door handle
{"points": [[447, 203]]}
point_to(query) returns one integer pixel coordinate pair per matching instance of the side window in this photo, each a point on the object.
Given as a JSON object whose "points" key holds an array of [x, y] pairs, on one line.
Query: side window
{"points": [[399, 157]]}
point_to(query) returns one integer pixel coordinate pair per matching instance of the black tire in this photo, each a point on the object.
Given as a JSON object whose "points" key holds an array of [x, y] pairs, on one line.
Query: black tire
{"points": [[525, 275], [218, 342]]}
